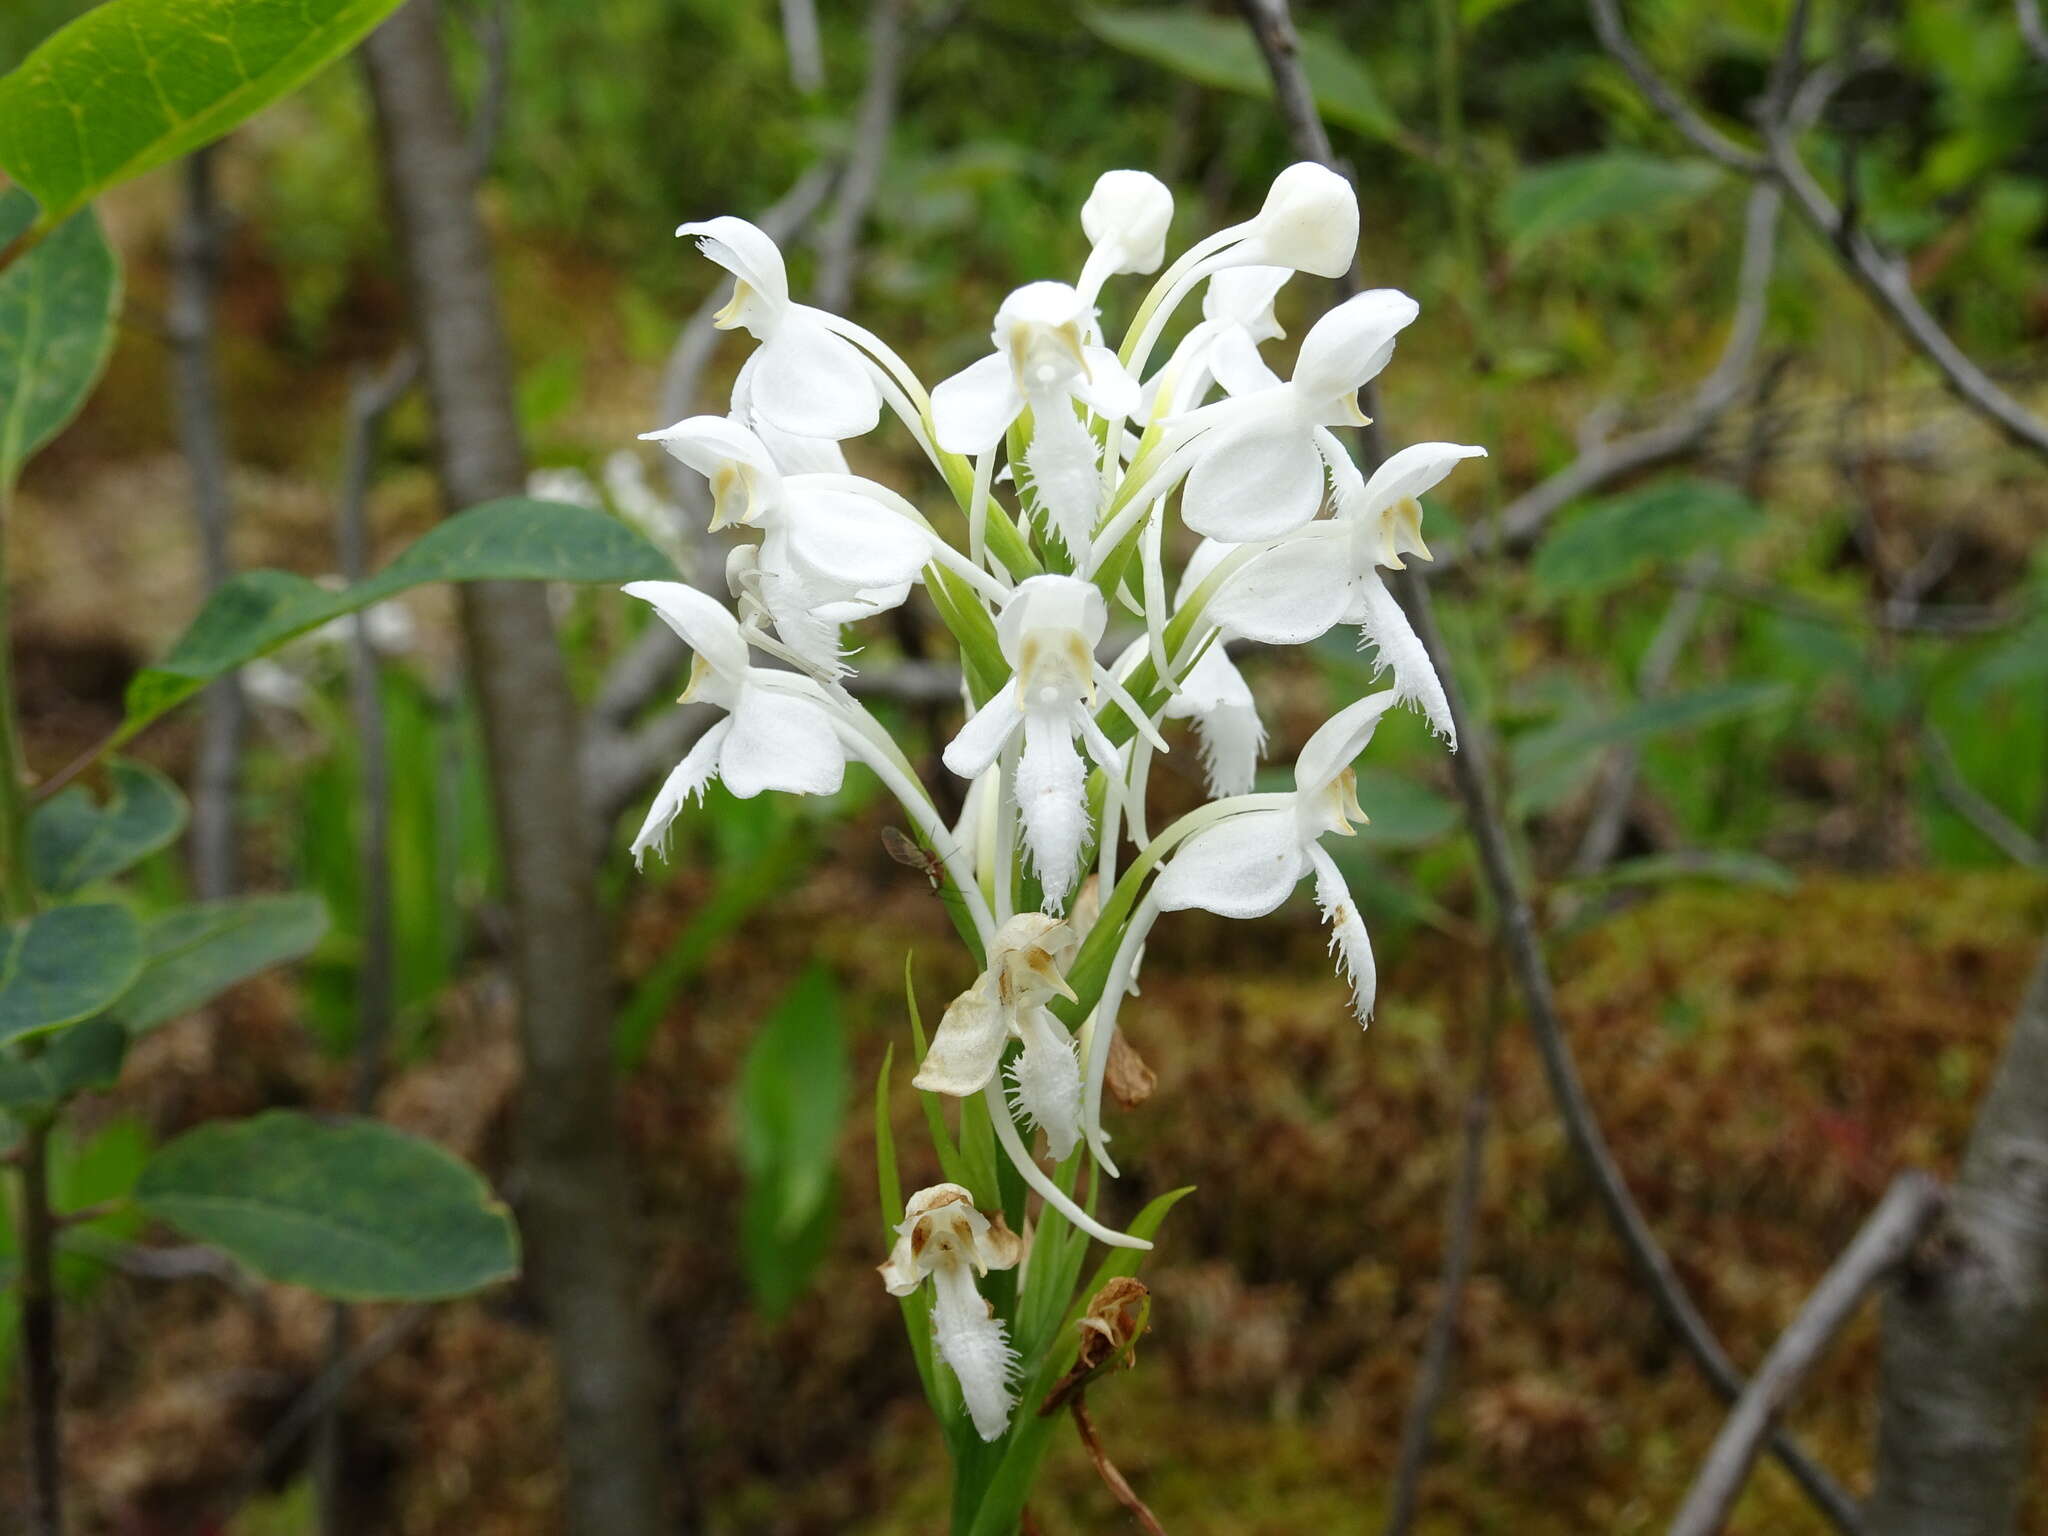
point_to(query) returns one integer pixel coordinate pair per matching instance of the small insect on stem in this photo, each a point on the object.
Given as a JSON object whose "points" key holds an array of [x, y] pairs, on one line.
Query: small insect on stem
{"points": [[899, 846]]}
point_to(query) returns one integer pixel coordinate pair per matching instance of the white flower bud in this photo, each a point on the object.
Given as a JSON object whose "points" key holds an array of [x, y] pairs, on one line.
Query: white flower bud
{"points": [[1129, 211]]}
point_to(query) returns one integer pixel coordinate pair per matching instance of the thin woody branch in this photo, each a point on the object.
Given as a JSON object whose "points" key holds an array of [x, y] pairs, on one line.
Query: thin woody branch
{"points": [[1900, 1220]]}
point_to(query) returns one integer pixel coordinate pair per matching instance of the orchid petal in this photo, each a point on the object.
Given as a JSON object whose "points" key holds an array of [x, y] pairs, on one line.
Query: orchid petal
{"points": [[982, 739], [1383, 623], [967, 1046], [1234, 359], [974, 408], [1415, 469], [1287, 595], [780, 741], [684, 783], [745, 251], [1107, 390], [1256, 478], [848, 538], [1338, 741], [813, 383], [1242, 866], [700, 622], [1351, 344], [1347, 932]]}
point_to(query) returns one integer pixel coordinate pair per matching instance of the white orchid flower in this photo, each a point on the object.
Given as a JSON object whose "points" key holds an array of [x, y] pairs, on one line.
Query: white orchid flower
{"points": [[945, 1240], [1328, 573], [1048, 632], [834, 547], [1126, 219], [1026, 971], [778, 730], [1257, 469], [1244, 863], [794, 454], [806, 379], [1042, 362]]}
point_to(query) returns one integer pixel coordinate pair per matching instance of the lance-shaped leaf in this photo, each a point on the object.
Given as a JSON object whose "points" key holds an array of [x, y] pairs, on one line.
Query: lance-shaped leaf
{"points": [[87, 1055], [136, 83], [56, 327], [195, 953], [514, 539], [64, 965], [73, 842], [1219, 51], [350, 1208]]}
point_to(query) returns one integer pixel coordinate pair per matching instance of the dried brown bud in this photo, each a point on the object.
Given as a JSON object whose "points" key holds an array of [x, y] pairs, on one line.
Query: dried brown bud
{"points": [[1116, 1315], [1129, 1080]]}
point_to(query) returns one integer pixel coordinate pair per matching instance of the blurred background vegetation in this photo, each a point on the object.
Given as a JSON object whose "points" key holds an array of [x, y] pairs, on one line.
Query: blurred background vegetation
{"points": [[1775, 719]]}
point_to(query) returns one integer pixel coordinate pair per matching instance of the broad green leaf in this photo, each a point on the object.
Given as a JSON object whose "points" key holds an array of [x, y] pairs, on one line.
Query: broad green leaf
{"points": [[1404, 814], [1730, 865], [1540, 751], [1548, 200], [195, 953], [64, 965], [792, 1100], [513, 539], [73, 842], [1613, 540], [1220, 52], [136, 83], [349, 1208], [56, 327], [87, 1055]]}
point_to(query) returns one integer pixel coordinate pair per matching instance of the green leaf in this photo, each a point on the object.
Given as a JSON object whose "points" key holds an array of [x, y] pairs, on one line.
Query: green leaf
{"points": [[1213, 51], [1549, 200], [196, 953], [72, 842], [349, 1208], [1404, 814], [792, 1100], [56, 327], [1541, 751], [1730, 865], [87, 1055], [64, 965], [1611, 541], [513, 539], [136, 83]]}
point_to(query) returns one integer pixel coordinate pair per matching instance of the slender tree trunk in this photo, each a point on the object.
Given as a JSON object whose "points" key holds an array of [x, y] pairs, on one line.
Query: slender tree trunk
{"points": [[1965, 1352], [195, 281], [576, 1208]]}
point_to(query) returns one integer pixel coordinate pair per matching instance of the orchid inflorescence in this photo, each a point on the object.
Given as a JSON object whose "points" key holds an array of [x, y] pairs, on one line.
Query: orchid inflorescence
{"points": [[1066, 461]]}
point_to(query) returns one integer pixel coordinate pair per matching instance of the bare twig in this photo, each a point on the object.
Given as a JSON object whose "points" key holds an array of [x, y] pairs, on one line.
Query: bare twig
{"points": [[800, 35], [1970, 803], [320, 1396], [1605, 460], [1518, 924], [839, 237], [190, 323], [1883, 1242], [2032, 29], [1882, 276], [1105, 1469]]}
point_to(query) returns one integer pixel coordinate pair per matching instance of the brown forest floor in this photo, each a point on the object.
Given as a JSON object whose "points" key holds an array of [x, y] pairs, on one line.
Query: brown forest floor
{"points": [[1764, 1065]]}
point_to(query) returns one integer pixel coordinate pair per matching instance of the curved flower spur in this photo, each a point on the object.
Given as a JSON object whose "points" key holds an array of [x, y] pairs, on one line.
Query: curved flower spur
{"points": [[1076, 475]]}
